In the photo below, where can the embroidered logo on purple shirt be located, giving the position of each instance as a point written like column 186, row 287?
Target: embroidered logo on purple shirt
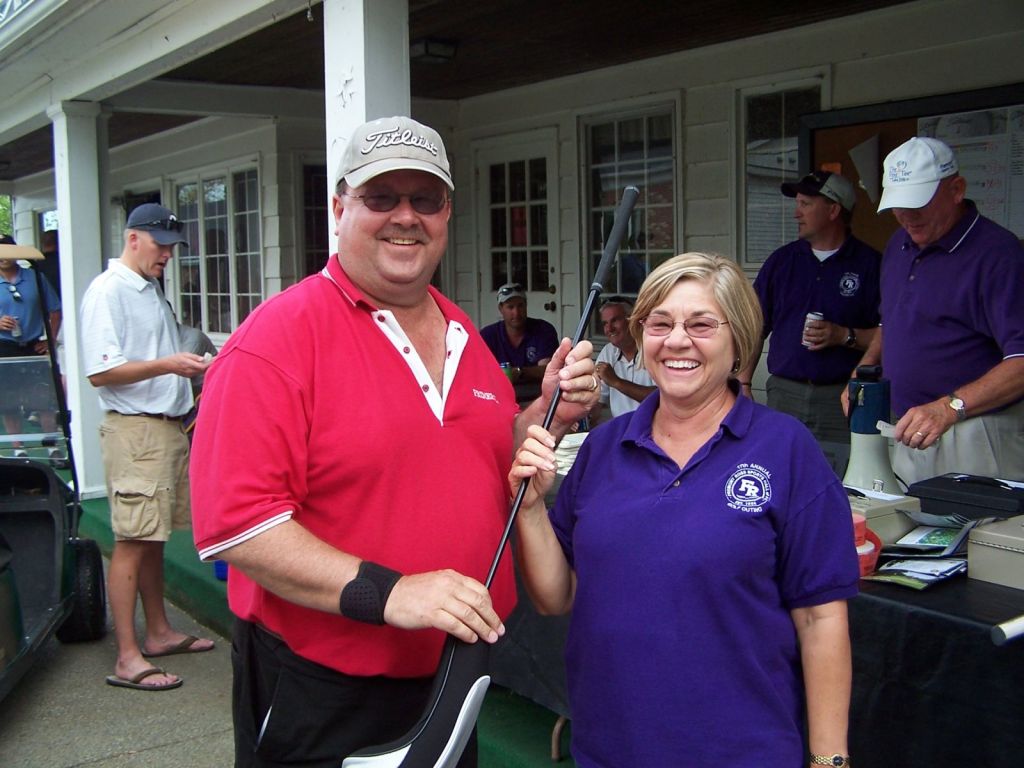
column 849, row 284
column 749, row 488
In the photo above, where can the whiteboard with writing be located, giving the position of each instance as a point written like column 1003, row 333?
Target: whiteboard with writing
column 989, row 146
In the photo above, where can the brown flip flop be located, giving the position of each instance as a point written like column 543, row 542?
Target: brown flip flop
column 185, row 646
column 135, row 683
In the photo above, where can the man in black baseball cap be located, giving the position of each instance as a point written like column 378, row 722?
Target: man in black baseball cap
column 829, row 272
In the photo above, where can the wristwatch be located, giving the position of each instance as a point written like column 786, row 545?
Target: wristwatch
column 836, row 761
column 957, row 404
column 851, row 338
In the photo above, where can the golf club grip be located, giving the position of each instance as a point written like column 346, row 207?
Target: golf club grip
column 1008, row 630
column 611, row 248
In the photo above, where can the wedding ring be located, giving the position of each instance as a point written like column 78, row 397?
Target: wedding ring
column 919, row 433
column 597, row 383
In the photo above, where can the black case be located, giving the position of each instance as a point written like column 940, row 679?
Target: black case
column 971, row 496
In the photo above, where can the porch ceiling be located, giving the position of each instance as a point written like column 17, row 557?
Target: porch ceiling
column 499, row 44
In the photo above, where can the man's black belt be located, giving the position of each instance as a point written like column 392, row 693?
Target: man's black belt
column 162, row 416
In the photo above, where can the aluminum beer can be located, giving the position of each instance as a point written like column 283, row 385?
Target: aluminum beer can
column 810, row 318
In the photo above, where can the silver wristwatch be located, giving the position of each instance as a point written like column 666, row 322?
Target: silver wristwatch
column 957, row 404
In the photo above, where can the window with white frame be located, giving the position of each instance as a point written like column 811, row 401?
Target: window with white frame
column 635, row 149
column 220, row 271
column 771, row 124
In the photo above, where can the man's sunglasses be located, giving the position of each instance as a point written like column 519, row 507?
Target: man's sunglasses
column 382, row 202
column 508, row 290
column 14, row 292
column 171, row 225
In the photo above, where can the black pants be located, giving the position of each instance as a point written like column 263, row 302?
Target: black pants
column 292, row 712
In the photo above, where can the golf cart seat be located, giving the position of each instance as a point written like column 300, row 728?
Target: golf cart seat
column 51, row 581
column 34, row 525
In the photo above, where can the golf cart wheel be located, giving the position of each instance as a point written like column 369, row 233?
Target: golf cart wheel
column 88, row 617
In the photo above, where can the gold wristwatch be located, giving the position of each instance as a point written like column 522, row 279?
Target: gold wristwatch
column 836, row 761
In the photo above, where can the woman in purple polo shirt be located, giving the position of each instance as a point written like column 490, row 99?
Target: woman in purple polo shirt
column 705, row 549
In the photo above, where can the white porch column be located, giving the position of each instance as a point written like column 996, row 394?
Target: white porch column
column 366, row 69
column 77, row 162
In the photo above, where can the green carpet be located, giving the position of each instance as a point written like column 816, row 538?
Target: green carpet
column 513, row 731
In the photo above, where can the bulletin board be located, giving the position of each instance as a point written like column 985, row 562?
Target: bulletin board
column 984, row 127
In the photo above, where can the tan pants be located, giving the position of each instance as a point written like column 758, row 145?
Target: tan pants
column 146, row 465
column 990, row 445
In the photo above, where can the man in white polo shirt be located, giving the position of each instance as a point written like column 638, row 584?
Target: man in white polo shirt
column 132, row 356
column 624, row 381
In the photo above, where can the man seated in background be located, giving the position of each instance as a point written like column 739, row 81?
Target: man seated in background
column 525, row 343
column 624, row 381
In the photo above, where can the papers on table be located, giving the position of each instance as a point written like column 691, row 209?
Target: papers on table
column 936, row 541
column 918, row 574
column 565, row 453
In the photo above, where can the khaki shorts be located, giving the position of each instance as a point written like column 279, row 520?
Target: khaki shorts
column 146, row 465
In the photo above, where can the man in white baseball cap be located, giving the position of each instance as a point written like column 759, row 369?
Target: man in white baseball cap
column 953, row 323
column 913, row 171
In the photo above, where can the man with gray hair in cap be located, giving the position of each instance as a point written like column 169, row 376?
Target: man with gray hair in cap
column 350, row 465
column 819, row 296
column 131, row 354
column 952, row 337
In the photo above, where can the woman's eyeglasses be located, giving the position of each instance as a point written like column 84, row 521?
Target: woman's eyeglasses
column 696, row 327
column 382, row 202
column 14, row 292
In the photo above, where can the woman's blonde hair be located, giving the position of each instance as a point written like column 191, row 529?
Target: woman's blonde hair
column 732, row 291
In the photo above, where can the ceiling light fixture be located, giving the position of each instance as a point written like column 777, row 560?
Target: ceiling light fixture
column 430, row 50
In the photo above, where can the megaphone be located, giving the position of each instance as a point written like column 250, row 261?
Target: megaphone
column 869, row 467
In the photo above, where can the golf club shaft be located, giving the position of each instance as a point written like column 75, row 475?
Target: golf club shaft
column 611, row 248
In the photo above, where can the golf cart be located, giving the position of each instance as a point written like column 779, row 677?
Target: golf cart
column 51, row 581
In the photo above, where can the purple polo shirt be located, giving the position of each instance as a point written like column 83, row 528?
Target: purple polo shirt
column 539, row 342
column 950, row 311
column 681, row 648
column 844, row 288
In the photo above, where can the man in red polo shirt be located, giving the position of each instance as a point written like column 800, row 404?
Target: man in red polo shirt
column 350, row 464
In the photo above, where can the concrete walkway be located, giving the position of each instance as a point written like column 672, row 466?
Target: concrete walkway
column 63, row 715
